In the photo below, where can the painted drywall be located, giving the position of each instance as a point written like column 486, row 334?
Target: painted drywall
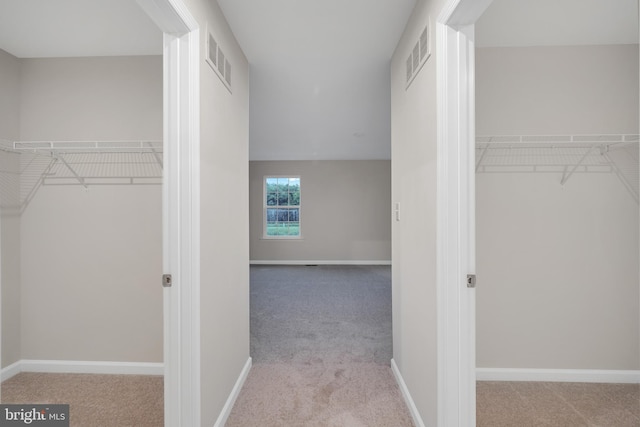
column 91, row 260
column 558, row 272
column 91, row 263
column 10, row 99
column 224, row 216
column 284, row 114
column 91, row 98
column 557, row 265
column 345, row 211
column 9, row 221
column 559, row 90
column 10, row 255
column 413, row 171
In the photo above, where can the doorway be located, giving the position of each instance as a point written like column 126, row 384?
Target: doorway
column 181, row 86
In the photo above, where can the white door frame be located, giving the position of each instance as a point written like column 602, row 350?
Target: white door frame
column 181, row 209
column 456, row 211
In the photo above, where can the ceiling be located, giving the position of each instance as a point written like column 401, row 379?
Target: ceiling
column 69, row 28
column 319, row 75
column 319, row 68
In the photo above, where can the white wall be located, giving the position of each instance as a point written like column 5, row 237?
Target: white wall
column 91, row 268
column 10, row 254
column 91, row 260
column 557, row 90
column 224, row 211
column 558, row 272
column 557, row 265
column 413, row 166
column 9, row 222
column 91, row 98
column 10, row 99
column 345, row 211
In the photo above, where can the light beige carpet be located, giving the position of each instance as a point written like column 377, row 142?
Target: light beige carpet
column 94, row 400
column 319, row 395
column 534, row 404
column 321, row 346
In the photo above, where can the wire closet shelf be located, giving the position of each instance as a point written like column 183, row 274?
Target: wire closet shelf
column 562, row 154
column 29, row 165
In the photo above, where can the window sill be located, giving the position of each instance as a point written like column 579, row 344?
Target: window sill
column 282, row 239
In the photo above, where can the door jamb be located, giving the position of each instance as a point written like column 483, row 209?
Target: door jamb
column 456, row 211
column 181, row 209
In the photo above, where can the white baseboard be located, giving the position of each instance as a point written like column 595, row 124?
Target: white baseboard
column 417, row 419
column 320, row 262
column 558, row 375
column 10, row 371
column 83, row 367
column 228, row 406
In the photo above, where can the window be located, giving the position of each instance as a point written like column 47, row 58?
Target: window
column 281, row 207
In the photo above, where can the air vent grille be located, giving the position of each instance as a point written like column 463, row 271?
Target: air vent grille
column 218, row 61
column 419, row 55
column 424, row 44
column 227, row 72
column 213, row 51
column 409, row 68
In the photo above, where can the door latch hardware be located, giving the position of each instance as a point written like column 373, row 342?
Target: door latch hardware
column 166, row 281
column 471, row 280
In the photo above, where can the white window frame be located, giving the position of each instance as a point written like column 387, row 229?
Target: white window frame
column 265, row 207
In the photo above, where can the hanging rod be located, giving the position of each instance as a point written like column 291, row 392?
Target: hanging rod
column 563, row 154
column 150, row 146
column 6, row 144
column 550, row 141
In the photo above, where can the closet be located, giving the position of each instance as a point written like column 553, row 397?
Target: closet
column 557, row 190
column 81, row 204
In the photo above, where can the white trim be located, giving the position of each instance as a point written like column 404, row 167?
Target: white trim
column 265, row 207
column 319, row 262
column 456, row 212
column 559, row 375
column 83, row 367
column 181, row 221
column 231, row 400
column 453, row 410
column 10, row 371
column 417, row 419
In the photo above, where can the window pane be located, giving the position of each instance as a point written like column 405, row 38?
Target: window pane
column 272, row 184
column 283, row 183
column 283, row 199
column 283, row 215
column 294, row 198
column 294, row 215
column 272, row 199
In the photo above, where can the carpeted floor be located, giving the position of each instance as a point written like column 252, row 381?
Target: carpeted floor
column 533, row 404
column 321, row 346
column 333, row 313
column 94, row 400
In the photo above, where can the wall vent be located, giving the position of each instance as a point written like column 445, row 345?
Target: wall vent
column 212, row 51
column 409, row 68
column 419, row 55
column 218, row 62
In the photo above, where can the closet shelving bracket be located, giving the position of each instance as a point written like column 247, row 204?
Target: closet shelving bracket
column 563, row 154
column 85, row 163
